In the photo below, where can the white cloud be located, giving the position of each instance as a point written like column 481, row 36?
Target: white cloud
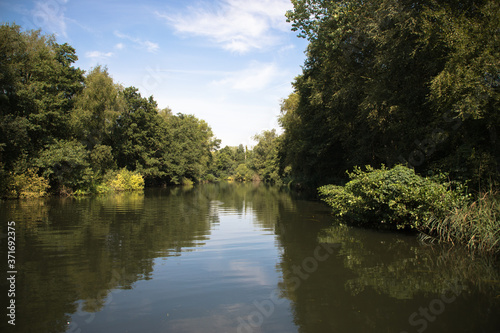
column 98, row 54
column 237, row 25
column 148, row 45
column 258, row 76
column 119, row 46
column 49, row 15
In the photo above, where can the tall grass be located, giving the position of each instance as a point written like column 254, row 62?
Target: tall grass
column 475, row 224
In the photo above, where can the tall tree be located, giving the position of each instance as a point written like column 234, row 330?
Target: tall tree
column 139, row 136
column 265, row 156
column 190, row 150
column 386, row 81
column 97, row 107
column 37, row 86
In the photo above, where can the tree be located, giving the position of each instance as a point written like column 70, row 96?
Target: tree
column 243, row 173
column 385, row 81
column 64, row 163
column 190, row 149
column 467, row 89
column 139, row 136
column 97, row 107
column 223, row 162
column 76, row 129
column 37, row 87
column 265, row 156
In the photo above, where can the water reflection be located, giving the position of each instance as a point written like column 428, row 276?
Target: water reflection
column 72, row 252
column 378, row 282
column 216, row 257
column 401, row 267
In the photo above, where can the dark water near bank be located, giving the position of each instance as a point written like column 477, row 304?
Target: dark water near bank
column 231, row 258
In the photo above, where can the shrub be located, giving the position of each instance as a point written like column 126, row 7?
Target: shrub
column 187, row 182
column 64, row 163
column 243, row 173
column 26, row 185
column 210, row 178
column 23, row 185
column 394, row 197
column 126, row 181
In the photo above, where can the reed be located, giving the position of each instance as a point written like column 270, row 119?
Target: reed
column 475, row 224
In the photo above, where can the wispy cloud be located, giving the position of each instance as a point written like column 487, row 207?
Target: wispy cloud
column 257, row 76
column 145, row 44
column 98, row 54
column 237, row 25
column 49, row 15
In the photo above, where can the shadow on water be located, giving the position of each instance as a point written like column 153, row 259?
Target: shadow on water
column 74, row 256
column 387, row 282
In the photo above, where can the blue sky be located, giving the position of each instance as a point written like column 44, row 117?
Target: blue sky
column 228, row 62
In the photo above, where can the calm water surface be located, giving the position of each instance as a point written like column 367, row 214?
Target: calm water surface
column 232, row 258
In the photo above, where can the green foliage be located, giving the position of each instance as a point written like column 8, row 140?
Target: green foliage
column 26, row 185
column 126, row 181
column 162, row 147
column 37, row 86
column 64, row 163
column 210, row 178
column 189, row 152
column 388, row 82
column 475, row 224
column 187, row 182
column 265, row 157
column 226, row 160
column 77, row 128
column 395, row 197
column 139, row 136
column 101, row 159
column 96, row 108
column 243, row 173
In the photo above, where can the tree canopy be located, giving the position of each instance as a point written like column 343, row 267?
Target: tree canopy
column 389, row 82
column 77, row 128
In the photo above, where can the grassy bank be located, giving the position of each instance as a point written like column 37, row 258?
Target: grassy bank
column 397, row 198
column 475, row 224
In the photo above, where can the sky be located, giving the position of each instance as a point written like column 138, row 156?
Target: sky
column 228, row 62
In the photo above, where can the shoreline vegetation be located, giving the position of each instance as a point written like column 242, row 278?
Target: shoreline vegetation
column 409, row 90
column 399, row 199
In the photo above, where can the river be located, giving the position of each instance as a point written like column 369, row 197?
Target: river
column 230, row 258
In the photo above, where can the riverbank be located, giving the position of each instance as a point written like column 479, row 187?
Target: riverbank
column 233, row 256
column 475, row 224
column 397, row 198
column 30, row 185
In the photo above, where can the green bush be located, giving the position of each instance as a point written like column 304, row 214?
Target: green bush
column 26, row 185
column 395, row 197
column 65, row 164
column 210, row 178
column 243, row 173
column 187, row 182
column 126, row 181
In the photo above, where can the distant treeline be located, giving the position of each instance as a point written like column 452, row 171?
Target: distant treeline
column 66, row 131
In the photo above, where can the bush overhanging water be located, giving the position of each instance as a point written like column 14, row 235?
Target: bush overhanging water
column 400, row 199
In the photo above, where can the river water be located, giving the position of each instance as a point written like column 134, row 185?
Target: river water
column 231, row 258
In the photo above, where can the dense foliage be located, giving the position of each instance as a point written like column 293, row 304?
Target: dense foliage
column 389, row 82
column 70, row 132
column 395, row 197
column 73, row 131
column 413, row 83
